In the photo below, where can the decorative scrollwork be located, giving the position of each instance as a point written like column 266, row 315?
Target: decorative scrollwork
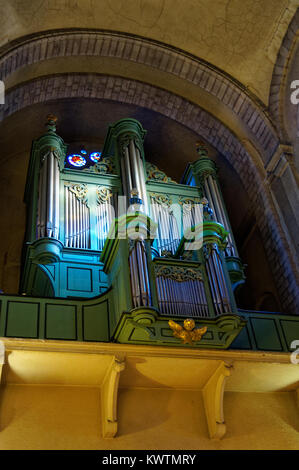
column 178, row 273
column 166, row 254
column 187, row 255
column 103, row 167
column 125, row 139
column 162, row 199
column 205, row 173
column 154, row 173
column 188, row 203
column 79, row 189
column 103, row 194
column 50, row 150
column 208, row 248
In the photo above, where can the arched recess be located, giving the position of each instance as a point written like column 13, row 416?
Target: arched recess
column 192, row 116
column 20, row 61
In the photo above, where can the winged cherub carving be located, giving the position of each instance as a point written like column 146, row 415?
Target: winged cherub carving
column 187, row 333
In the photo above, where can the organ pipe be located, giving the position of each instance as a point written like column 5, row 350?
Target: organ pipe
column 140, row 285
column 132, row 170
column 106, row 205
column 168, row 236
column 218, row 287
column 182, row 297
column 48, row 203
column 77, row 229
column 213, row 195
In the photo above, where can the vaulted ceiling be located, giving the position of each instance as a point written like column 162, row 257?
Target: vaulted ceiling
column 241, row 37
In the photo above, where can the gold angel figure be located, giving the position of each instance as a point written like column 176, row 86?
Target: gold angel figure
column 187, row 333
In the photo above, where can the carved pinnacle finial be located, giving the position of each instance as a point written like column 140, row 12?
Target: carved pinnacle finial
column 201, row 149
column 51, row 122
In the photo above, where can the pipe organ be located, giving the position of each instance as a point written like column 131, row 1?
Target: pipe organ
column 76, row 215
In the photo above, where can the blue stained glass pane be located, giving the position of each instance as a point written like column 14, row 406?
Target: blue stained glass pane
column 76, row 160
column 95, row 156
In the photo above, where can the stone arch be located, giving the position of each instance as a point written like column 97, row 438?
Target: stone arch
column 242, row 103
column 198, row 120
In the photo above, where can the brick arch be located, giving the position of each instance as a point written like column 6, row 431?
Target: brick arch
column 192, row 116
column 98, row 43
column 277, row 88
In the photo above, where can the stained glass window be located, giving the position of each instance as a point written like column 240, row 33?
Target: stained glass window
column 76, row 160
column 95, row 156
column 83, row 159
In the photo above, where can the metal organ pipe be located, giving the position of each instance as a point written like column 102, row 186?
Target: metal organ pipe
column 217, row 282
column 140, row 284
column 41, row 204
column 215, row 200
column 181, row 297
column 104, row 215
column 124, row 179
column 234, row 251
column 142, row 181
column 128, row 176
column 48, row 204
column 49, row 196
column 168, row 233
column 134, row 167
column 66, row 213
column 76, row 221
column 133, row 172
column 211, row 200
column 71, row 219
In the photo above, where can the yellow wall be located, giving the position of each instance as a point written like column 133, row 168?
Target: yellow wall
column 56, row 417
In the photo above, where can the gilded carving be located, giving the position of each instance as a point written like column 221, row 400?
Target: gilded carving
column 187, row 333
column 162, row 199
column 79, row 189
column 104, row 166
column 125, row 139
column 188, row 204
column 178, row 273
column 103, row 194
column 154, row 173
